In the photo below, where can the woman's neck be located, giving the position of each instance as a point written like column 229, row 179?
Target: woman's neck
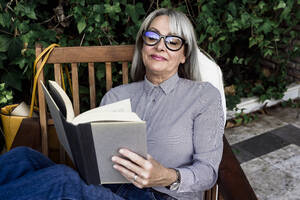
column 158, row 79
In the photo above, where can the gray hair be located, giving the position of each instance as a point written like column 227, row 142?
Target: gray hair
column 179, row 25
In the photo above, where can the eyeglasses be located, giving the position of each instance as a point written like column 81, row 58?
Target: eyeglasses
column 172, row 42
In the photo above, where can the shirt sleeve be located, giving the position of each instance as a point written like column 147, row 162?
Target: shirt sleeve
column 208, row 133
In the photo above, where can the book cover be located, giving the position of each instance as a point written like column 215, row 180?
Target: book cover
column 93, row 137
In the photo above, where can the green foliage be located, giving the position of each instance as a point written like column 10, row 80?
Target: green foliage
column 238, row 34
column 6, row 96
column 242, row 118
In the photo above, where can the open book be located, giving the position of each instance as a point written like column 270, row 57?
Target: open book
column 93, row 137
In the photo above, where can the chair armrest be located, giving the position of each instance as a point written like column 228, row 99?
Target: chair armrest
column 233, row 183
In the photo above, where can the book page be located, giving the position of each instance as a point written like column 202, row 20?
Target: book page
column 107, row 116
column 118, row 111
column 62, row 100
column 119, row 106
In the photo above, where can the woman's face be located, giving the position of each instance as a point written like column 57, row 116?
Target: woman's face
column 159, row 61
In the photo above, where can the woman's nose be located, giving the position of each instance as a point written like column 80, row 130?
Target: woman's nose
column 161, row 45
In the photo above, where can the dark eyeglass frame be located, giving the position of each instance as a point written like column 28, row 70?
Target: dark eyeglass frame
column 164, row 37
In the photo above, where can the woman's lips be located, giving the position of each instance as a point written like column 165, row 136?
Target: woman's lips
column 158, row 58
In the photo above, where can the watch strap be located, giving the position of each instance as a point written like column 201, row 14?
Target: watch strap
column 175, row 185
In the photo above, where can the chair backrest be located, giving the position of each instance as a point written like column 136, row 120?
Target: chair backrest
column 124, row 54
column 74, row 56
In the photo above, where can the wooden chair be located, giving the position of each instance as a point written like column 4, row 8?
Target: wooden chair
column 232, row 183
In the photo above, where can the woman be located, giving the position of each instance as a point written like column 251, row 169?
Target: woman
column 185, row 124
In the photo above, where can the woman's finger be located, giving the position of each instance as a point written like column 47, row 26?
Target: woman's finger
column 127, row 164
column 133, row 157
column 132, row 177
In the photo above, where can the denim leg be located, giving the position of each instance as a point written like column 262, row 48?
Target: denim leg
column 20, row 161
column 130, row 192
column 55, row 183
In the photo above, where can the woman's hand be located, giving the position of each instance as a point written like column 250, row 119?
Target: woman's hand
column 143, row 172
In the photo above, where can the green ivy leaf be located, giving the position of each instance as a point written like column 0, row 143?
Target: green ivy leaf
column 98, row 18
column 82, row 2
column 281, row 4
column 100, row 74
column 112, row 9
column 130, row 9
column 139, row 9
column 3, row 56
column 90, row 29
column 222, row 38
column 13, row 80
column 81, row 25
column 20, row 61
column 15, row 47
column 267, row 26
column 245, row 19
column 29, row 12
column 261, row 5
column 166, row 4
column 24, row 27
column 1, row 64
column 3, row 20
column 98, row 8
column 31, row 35
column 232, row 8
column 4, row 43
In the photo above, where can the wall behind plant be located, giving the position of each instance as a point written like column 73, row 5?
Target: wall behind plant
column 238, row 34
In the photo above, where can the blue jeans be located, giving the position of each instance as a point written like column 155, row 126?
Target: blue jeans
column 27, row 174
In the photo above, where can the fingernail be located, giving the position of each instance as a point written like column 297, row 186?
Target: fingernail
column 113, row 158
column 121, row 151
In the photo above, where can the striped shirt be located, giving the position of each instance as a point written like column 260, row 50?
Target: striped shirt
column 185, row 126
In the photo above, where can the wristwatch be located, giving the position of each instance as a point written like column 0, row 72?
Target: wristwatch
column 174, row 186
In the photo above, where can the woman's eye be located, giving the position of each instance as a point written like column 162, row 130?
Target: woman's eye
column 173, row 41
column 152, row 38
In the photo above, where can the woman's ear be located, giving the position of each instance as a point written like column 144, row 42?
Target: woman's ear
column 182, row 61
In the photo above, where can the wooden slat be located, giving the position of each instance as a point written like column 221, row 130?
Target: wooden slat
column 42, row 105
column 75, row 87
column 91, row 54
column 108, row 76
column 92, row 85
column 125, row 72
column 57, row 73
column 207, row 195
column 214, row 192
column 57, row 77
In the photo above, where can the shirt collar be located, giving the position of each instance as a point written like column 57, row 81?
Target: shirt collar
column 167, row 86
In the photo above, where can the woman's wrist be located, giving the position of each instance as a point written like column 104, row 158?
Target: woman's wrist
column 171, row 177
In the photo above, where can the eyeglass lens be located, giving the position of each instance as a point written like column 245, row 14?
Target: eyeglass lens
column 173, row 43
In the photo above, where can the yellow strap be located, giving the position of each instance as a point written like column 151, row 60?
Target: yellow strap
column 47, row 51
column 42, row 54
column 62, row 78
column 37, row 60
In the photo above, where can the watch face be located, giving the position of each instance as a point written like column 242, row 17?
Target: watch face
column 174, row 186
